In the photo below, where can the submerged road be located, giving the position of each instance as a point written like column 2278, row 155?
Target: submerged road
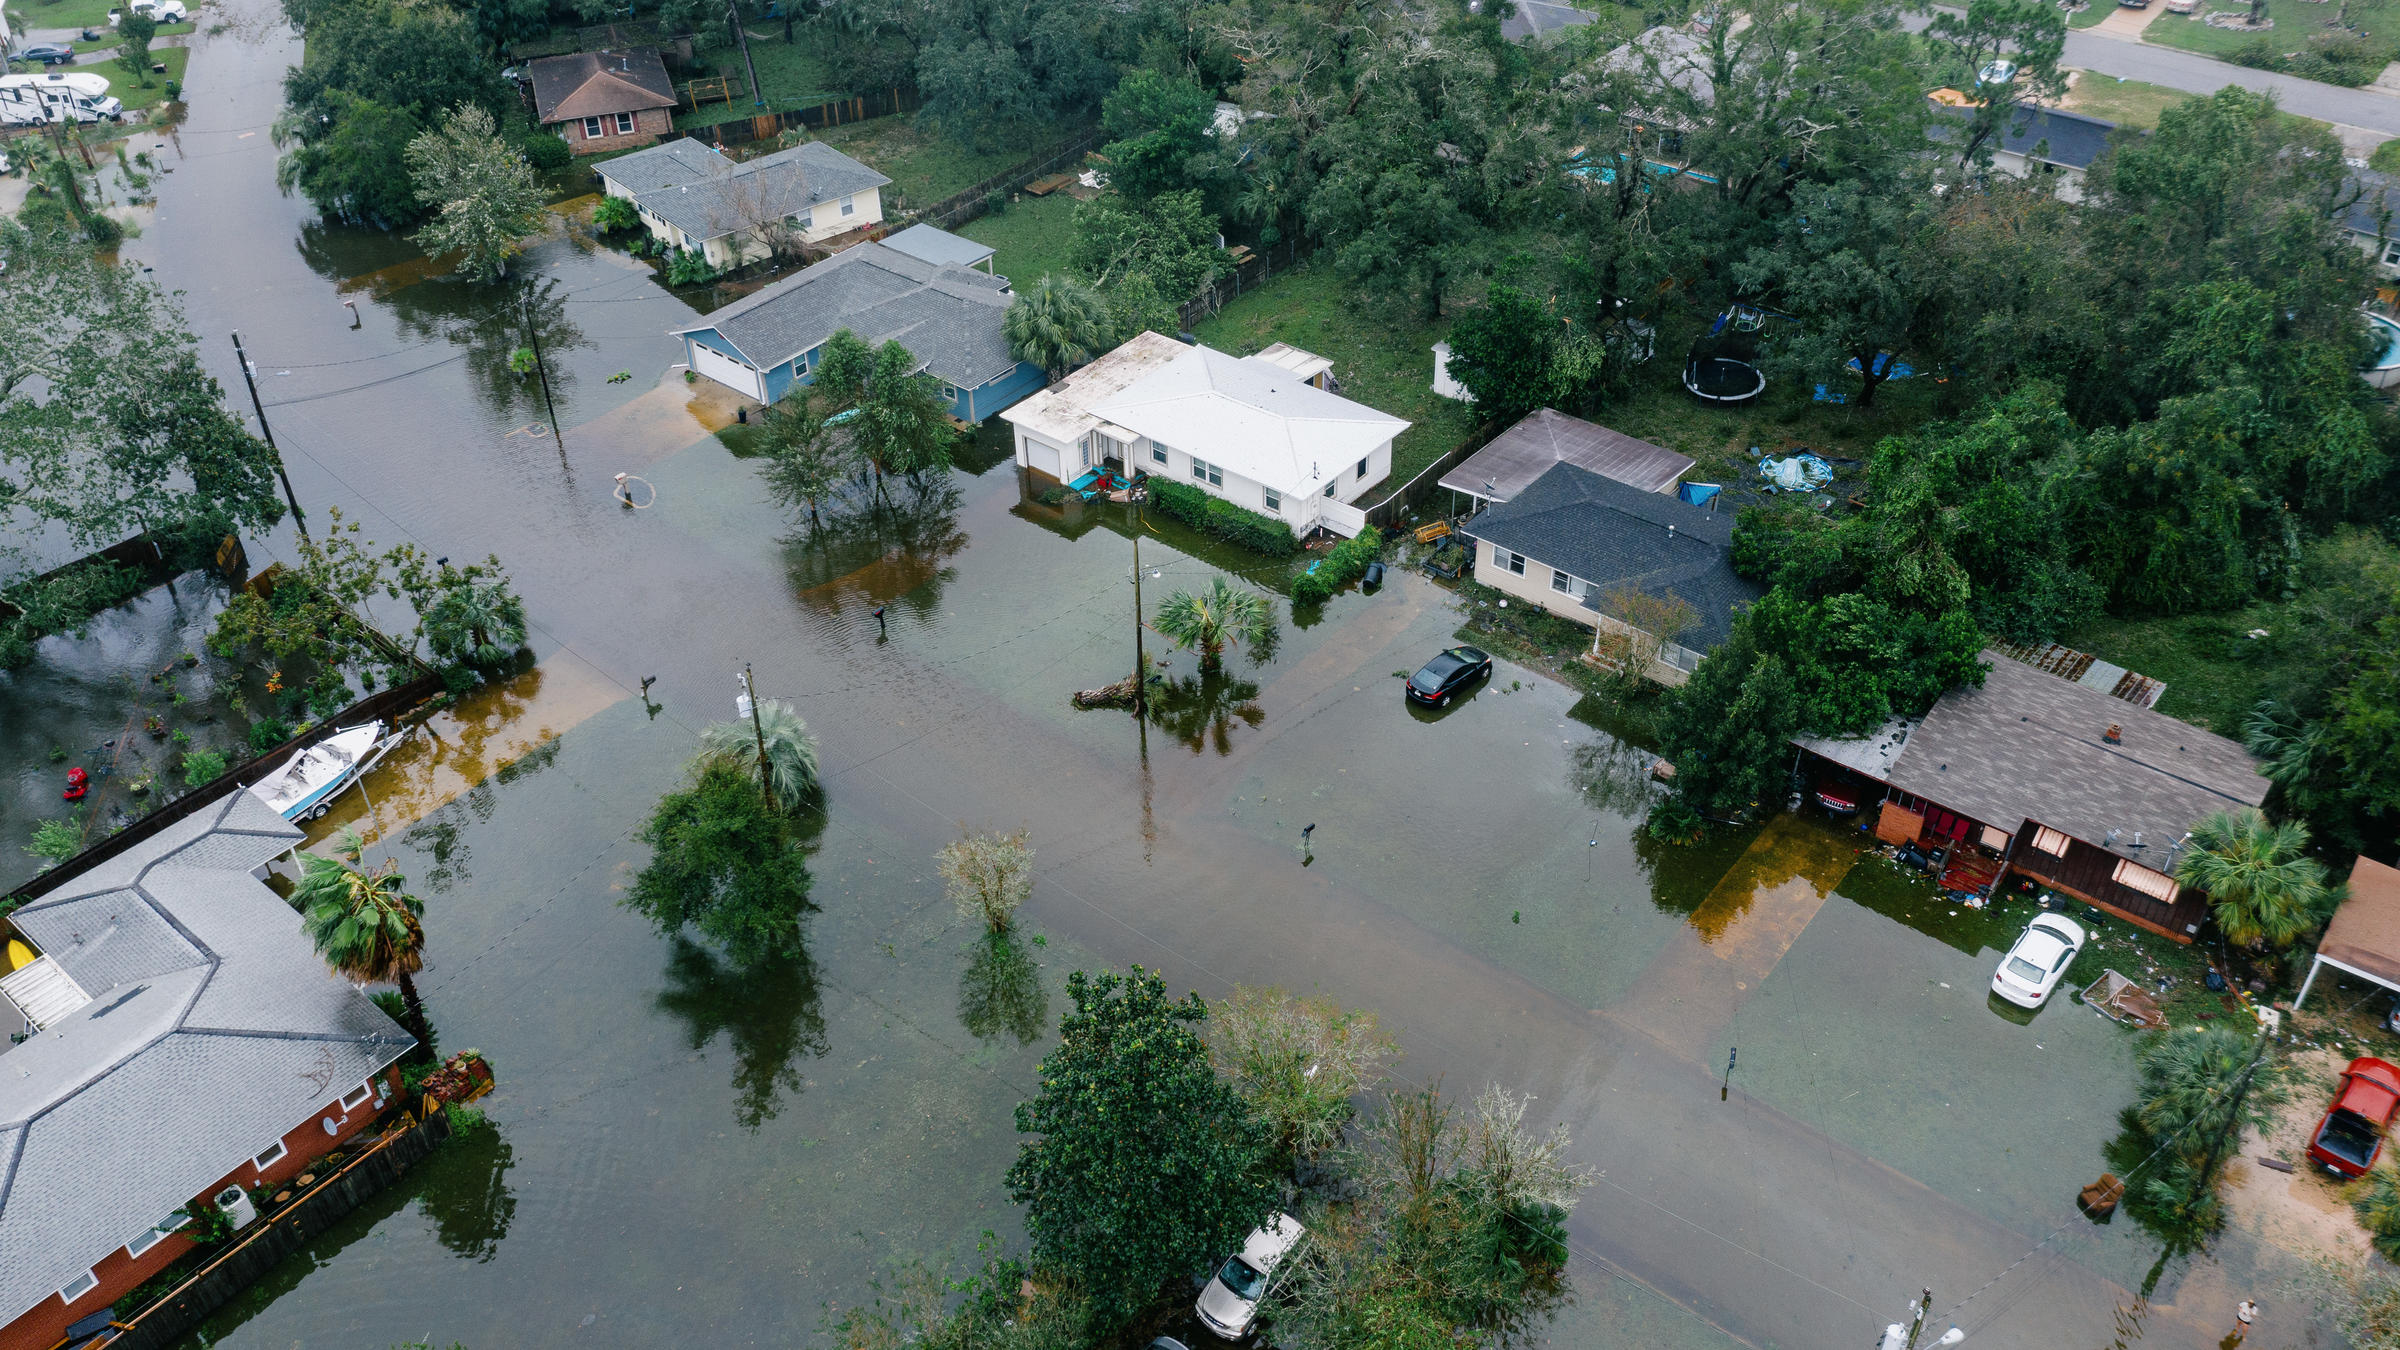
column 1715, row 1219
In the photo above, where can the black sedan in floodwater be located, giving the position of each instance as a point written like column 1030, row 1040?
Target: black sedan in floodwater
column 1445, row 675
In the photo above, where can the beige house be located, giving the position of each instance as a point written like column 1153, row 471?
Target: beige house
column 695, row 197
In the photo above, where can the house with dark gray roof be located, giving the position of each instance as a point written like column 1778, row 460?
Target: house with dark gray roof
column 2072, row 784
column 2035, row 142
column 2373, row 219
column 1571, row 538
column 694, row 196
column 948, row 316
column 171, row 1035
column 602, row 101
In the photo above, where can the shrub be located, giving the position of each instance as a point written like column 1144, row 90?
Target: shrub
column 546, row 151
column 57, row 840
column 268, row 732
column 995, row 203
column 201, row 767
column 1345, row 564
column 1310, row 588
column 1263, row 534
column 615, row 213
column 103, row 230
column 687, row 268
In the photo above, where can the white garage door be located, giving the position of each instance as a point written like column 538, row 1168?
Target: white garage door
column 728, row 372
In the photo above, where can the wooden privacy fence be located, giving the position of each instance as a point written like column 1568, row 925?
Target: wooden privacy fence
column 278, row 1236
column 960, row 207
column 1247, row 276
column 766, row 126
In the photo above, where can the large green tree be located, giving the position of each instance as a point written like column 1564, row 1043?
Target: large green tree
column 377, row 74
column 2029, row 36
column 987, row 68
column 1146, row 1166
column 482, row 192
column 722, row 862
column 2262, row 886
column 1160, row 128
column 1855, row 263
column 1171, row 239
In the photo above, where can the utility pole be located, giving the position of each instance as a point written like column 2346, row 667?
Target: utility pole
column 533, row 339
column 733, row 15
column 298, row 516
column 1141, row 663
column 766, row 782
column 1898, row 1337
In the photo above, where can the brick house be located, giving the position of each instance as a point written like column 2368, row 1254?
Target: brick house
column 167, row 1034
column 601, row 101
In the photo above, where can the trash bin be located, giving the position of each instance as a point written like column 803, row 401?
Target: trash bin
column 1374, row 575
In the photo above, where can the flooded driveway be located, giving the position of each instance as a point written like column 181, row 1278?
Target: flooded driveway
column 687, row 1152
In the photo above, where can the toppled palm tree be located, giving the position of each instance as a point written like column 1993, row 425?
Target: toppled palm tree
column 365, row 924
column 790, row 748
column 1214, row 617
column 2263, row 885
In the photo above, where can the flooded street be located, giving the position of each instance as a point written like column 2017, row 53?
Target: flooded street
column 687, row 1153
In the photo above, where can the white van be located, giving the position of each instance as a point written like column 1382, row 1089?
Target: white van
column 161, row 12
column 57, row 96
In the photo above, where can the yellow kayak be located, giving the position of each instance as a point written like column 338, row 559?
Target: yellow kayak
column 19, row 955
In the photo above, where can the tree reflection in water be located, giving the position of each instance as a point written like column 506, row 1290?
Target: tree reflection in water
column 769, row 1014
column 889, row 548
column 1001, row 991
column 1200, row 710
column 488, row 326
column 466, row 1191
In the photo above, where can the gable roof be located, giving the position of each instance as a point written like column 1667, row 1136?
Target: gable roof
column 1250, row 417
column 2365, row 932
column 591, row 84
column 212, row 1030
column 2029, row 745
column 1546, row 436
column 2070, row 140
column 1609, row 534
column 949, row 317
column 938, row 247
column 689, row 185
column 1063, row 412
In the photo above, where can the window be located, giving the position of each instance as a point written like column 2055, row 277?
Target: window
column 151, row 1237
column 849, row 205
column 2050, row 841
column 1211, row 474
column 949, row 391
column 2157, row 885
column 1362, row 469
column 807, row 220
column 78, row 1287
column 624, row 124
column 591, row 129
column 1274, row 500
column 1158, row 453
column 1560, row 581
column 357, row 1096
column 1329, row 487
column 272, row 1156
column 2391, row 254
column 1507, row 561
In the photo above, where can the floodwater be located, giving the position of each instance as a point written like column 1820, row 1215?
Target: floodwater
column 687, row 1152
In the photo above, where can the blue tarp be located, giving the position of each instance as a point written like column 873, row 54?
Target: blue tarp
column 1697, row 493
column 1887, row 367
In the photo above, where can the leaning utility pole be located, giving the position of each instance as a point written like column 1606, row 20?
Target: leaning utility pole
column 533, row 339
column 733, row 15
column 766, row 780
column 1897, row 1337
column 298, row 516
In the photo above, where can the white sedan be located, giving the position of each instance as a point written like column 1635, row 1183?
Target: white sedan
column 2039, row 961
column 1229, row 1305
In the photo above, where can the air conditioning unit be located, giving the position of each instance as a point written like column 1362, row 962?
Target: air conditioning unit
column 236, row 1203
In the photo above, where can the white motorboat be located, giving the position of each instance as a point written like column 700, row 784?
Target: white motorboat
column 304, row 788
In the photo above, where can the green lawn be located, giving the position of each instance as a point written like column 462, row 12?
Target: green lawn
column 1033, row 238
column 2092, row 13
column 925, row 167
column 2128, row 103
column 790, row 76
column 107, row 41
column 1383, row 356
column 80, row 14
column 2295, row 21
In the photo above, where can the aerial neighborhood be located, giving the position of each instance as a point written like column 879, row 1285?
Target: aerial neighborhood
column 1466, row 674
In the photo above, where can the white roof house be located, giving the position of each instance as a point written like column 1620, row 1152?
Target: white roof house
column 1248, row 429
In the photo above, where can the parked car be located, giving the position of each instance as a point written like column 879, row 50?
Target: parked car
column 2039, row 961
column 48, row 54
column 1440, row 679
column 1229, row 1305
column 1998, row 72
column 2351, row 1133
column 160, row 11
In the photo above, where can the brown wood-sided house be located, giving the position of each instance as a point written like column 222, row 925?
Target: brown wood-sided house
column 601, row 101
column 2081, row 790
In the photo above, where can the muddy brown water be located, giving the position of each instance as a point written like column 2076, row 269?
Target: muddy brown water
column 686, row 1152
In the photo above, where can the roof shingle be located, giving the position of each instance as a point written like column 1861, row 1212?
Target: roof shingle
column 708, row 195
column 593, row 84
column 948, row 317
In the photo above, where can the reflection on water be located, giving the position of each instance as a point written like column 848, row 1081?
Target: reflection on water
column 1793, row 861
column 871, row 548
column 768, row 1013
column 465, row 1192
column 1001, row 991
column 489, row 323
column 1200, row 710
column 1614, row 777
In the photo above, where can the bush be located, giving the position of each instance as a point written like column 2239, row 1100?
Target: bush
column 1345, row 564
column 615, row 213
column 103, row 230
column 201, row 767
column 546, row 151
column 995, row 203
column 174, row 91
column 268, row 732
column 1263, row 534
column 58, row 840
column 687, row 268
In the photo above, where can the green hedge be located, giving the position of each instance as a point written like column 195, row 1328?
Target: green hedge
column 1345, row 564
column 1222, row 518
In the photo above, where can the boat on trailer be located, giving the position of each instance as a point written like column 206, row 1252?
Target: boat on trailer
column 304, row 788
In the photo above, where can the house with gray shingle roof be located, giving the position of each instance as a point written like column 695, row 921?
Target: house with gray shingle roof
column 693, row 196
column 1571, row 538
column 948, row 316
column 171, row 1034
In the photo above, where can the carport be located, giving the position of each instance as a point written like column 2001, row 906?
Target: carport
column 2364, row 937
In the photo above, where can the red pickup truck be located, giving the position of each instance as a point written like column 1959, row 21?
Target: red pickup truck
column 2351, row 1134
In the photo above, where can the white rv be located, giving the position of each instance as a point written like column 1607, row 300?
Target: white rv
column 57, row 96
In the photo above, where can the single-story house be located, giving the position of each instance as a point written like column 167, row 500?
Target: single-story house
column 2087, row 794
column 1250, row 430
column 949, row 317
column 601, row 101
column 1510, row 461
column 941, row 248
column 2036, row 141
column 2364, row 937
column 1570, row 537
column 181, row 1041
column 2373, row 221
column 693, row 196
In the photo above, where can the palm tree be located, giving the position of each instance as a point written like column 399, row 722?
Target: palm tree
column 1215, row 617
column 1058, row 325
column 476, row 620
column 791, row 750
column 365, row 924
column 2259, row 876
column 2199, row 1086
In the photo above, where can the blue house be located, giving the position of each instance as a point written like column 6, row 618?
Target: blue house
column 948, row 316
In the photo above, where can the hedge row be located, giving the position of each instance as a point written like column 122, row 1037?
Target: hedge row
column 1345, row 564
column 1222, row 518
